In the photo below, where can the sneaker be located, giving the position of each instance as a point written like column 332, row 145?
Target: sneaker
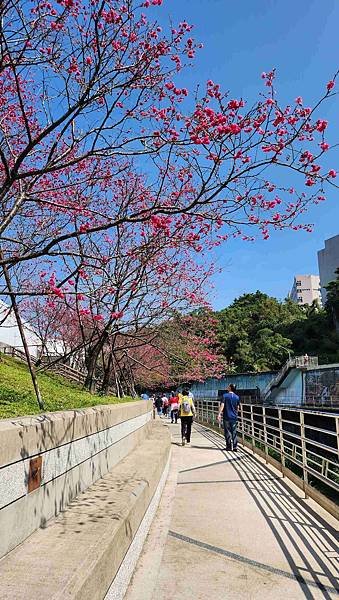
column 227, row 449
column 183, row 441
column 235, row 449
column 188, row 444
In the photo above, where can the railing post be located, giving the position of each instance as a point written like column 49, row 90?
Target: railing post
column 265, row 432
column 281, row 437
column 303, row 450
column 337, row 429
column 252, row 429
column 242, row 424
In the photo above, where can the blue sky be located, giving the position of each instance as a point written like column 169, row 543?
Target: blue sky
column 241, row 39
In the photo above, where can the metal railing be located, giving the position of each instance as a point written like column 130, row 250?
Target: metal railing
column 305, row 443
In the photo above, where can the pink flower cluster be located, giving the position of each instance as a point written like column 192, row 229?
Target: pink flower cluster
column 117, row 314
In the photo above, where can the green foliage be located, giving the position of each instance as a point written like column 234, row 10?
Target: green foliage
column 250, row 331
column 315, row 336
column 319, row 334
column 257, row 332
column 17, row 396
column 332, row 303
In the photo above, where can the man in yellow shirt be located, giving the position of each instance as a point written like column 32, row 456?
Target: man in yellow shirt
column 186, row 414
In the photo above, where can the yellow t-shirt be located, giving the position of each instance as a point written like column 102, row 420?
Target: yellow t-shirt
column 183, row 399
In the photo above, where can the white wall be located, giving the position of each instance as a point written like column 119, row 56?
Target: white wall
column 306, row 289
column 9, row 331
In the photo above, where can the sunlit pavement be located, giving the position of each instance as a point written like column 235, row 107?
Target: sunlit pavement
column 230, row 527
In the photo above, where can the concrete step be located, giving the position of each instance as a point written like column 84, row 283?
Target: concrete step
column 79, row 553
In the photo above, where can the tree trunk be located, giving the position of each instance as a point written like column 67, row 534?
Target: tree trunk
column 91, row 362
column 107, row 373
column 117, row 382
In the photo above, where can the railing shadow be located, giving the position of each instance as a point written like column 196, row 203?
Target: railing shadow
column 308, row 542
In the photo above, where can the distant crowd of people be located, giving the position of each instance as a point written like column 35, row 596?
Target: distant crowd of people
column 174, row 406
column 180, row 405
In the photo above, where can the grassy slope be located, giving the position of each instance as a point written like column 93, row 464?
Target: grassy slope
column 17, row 396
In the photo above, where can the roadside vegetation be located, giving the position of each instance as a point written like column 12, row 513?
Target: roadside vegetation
column 17, row 396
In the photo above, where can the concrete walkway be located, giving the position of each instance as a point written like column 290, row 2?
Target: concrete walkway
column 229, row 527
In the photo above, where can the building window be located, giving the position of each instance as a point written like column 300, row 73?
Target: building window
column 298, row 283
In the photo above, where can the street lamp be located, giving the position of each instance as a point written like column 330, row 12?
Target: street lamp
column 287, row 350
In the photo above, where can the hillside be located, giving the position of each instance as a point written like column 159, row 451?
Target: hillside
column 17, row 396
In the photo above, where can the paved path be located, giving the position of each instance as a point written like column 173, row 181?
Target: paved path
column 229, row 527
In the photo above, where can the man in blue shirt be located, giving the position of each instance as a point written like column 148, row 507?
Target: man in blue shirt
column 229, row 406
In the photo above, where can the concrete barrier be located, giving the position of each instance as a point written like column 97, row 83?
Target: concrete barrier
column 47, row 460
column 80, row 553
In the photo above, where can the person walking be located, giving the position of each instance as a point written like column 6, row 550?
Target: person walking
column 174, row 407
column 228, row 409
column 158, row 405
column 165, row 405
column 186, row 414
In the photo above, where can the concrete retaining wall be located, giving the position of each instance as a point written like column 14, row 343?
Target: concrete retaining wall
column 76, row 448
column 89, row 551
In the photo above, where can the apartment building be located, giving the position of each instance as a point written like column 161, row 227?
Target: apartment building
column 305, row 289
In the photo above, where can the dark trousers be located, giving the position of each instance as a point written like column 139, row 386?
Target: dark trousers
column 230, row 429
column 186, row 428
column 174, row 415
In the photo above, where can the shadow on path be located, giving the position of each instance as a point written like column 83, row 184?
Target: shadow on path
column 308, row 542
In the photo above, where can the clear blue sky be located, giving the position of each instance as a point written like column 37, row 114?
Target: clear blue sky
column 242, row 39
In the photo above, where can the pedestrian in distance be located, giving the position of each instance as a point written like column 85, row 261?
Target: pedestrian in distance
column 186, row 414
column 165, row 405
column 174, row 407
column 228, row 410
column 158, row 405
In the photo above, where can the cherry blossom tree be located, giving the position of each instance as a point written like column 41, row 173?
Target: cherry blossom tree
column 98, row 135
column 183, row 349
column 112, row 287
column 88, row 94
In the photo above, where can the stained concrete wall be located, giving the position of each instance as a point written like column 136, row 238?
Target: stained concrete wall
column 291, row 390
column 76, row 447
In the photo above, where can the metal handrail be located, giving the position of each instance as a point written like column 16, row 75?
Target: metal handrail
column 299, row 362
column 320, row 462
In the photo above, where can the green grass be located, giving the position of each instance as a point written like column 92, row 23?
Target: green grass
column 17, row 395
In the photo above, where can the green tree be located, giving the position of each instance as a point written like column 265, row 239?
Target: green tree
column 332, row 302
column 251, row 331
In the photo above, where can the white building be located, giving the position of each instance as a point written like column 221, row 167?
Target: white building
column 305, row 289
column 328, row 261
column 10, row 334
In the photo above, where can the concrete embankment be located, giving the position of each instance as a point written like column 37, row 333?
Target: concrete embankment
column 47, row 460
column 80, row 552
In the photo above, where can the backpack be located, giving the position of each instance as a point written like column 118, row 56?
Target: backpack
column 186, row 406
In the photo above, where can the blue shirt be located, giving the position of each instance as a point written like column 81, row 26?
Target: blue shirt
column 231, row 402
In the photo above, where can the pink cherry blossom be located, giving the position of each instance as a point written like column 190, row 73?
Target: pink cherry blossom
column 321, row 125
column 117, row 314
